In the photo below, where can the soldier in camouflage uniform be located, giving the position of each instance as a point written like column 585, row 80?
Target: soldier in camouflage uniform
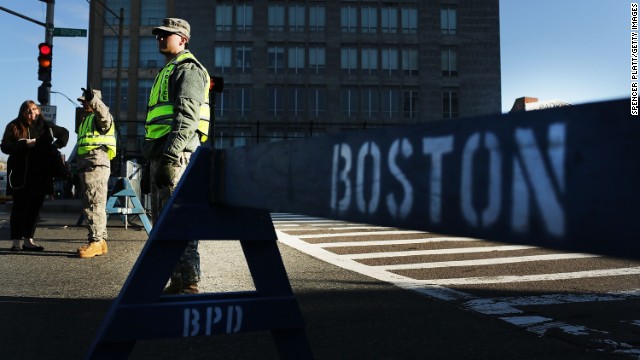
column 96, row 147
column 178, row 111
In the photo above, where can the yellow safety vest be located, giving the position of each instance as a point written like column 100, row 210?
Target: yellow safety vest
column 89, row 138
column 160, row 110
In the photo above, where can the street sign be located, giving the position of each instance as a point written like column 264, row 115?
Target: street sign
column 69, row 32
column 49, row 112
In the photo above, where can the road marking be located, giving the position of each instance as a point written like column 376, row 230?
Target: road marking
column 360, row 233
column 484, row 280
column 392, row 242
column 403, row 282
column 480, row 249
column 503, row 308
column 507, row 305
column 480, row 262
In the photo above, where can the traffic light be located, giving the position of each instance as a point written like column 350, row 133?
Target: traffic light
column 44, row 94
column 44, row 61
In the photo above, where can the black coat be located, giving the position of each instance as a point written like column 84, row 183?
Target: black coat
column 29, row 169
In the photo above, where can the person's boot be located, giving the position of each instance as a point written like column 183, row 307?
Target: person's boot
column 105, row 248
column 174, row 288
column 190, row 289
column 93, row 249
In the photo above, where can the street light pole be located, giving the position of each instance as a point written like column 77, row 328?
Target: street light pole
column 118, row 73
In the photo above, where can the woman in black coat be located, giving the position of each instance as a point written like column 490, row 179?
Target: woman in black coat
column 28, row 140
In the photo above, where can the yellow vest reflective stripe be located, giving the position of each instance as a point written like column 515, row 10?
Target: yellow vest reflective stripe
column 89, row 138
column 160, row 110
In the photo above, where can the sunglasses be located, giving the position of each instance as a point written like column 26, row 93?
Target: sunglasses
column 164, row 35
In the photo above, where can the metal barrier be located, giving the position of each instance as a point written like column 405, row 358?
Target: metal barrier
column 565, row 178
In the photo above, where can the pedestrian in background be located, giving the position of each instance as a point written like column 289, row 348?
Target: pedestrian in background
column 96, row 147
column 177, row 119
column 28, row 140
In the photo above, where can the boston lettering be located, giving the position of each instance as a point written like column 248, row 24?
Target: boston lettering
column 476, row 180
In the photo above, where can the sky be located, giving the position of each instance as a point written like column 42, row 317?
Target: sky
column 576, row 51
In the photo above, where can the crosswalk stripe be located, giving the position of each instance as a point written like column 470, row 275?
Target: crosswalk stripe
column 480, row 262
column 529, row 278
column 393, row 242
column 360, row 233
column 437, row 252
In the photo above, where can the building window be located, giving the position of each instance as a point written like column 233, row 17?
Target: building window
column 115, row 5
column 348, row 19
column 410, row 62
column 389, row 20
column 296, row 18
column 390, row 103
column 240, row 138
column 243, row 59
column 241, row 101
column 152, row 12
column 275, row 59
column 448, row 21
column 410, row 104
column 449, row 60
column 275, row 101
column 110, row 52
column 449, row 103
column 389, row 61
column 244, row 17
column 149, row 55
column 369, row 103
column 317, row 102
column 144, row 89
column 109, row 93
column 348, row 60
column 409, row 20
column 369, row 60
column 275, row 18
column 295, row 102
column 296, row 60
column 224, row 17
column 317, row 60
column 369, row 19
column 349, row 102
column 223, row 104
column 222, row 59
column 317, row 18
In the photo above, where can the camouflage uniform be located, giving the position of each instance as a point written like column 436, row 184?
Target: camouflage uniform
column 188, row 84
column 187, row 271
column 94, row 181
column 94, row 169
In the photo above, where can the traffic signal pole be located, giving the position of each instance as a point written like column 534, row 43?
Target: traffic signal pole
column 44, row 90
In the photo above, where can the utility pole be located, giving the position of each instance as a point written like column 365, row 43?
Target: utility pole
column 44, row 91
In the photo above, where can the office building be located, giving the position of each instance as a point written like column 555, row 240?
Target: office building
column 300, row 68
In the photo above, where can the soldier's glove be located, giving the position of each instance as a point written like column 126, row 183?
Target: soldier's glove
column 165, row 174
column 87, row 93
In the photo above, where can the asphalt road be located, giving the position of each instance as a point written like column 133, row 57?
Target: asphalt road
column 52, row 303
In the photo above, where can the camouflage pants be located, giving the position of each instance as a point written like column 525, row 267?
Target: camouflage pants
column 187, row 271
column 94, row 184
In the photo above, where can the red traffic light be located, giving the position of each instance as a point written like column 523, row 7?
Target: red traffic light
column 44, row 56
column 45, row 49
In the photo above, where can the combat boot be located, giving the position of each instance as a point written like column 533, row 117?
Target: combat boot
column 91, row 250
column 174, row 288
column 190, row 289
column 105, row 248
